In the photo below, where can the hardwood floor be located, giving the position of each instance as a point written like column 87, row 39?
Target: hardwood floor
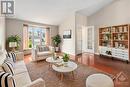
column 100, row 62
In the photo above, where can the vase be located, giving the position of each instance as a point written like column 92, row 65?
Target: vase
column 65, row 64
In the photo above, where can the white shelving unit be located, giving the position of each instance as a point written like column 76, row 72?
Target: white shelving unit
column 114, row 41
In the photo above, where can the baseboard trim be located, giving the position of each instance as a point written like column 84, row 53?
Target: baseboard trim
column 97, row 53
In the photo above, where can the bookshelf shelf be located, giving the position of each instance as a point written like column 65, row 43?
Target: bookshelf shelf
column 115, row 37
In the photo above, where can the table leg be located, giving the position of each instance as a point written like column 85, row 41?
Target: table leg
column 50, row 65
column 62, row 76
column 72, row 74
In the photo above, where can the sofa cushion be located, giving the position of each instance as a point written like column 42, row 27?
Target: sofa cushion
column 6, row 80
column 1, row 69
column 19, row 67
column 8, row 67
column 22, row 79
column 45, row 53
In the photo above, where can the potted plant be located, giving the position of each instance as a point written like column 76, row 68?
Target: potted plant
column 56, row 41
column 65, row 59
column 14, row 42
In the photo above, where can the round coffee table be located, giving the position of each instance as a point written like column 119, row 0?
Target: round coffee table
column 99, row 80
column 71, row 66
column 51, row 60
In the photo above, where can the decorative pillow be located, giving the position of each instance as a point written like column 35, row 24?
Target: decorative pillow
column 43, row 48
column 6, row 80
column 12, row 56
column 46, row 48
column 9, row 60
column 8, row 67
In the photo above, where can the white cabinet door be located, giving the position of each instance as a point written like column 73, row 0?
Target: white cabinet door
column 120, row 53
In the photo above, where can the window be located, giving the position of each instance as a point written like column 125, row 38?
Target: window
column 34, row 36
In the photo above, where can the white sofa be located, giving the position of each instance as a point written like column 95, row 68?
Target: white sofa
column 43, row 54
column 21, row 74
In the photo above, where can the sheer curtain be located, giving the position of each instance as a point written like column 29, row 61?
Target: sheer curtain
column 25, row 36
column 47, row 36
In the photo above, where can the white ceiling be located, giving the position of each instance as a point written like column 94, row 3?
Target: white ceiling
column 55, row 11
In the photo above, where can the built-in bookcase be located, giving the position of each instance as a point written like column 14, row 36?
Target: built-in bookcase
column 115, row 39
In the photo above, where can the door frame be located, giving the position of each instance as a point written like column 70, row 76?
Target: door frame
column 93, row 40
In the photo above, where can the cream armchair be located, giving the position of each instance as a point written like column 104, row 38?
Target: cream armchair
column 41, row 52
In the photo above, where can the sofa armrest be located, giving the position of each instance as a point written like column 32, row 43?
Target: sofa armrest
column 37, row 83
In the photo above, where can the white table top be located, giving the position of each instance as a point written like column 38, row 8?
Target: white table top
column 51, row 60
column 99, row 80
column 71, row 66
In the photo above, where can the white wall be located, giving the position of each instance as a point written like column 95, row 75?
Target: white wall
column 75, row 23
column 68, row 45
column 114, row 14
column 15, row 27
column 2, row 33
column 81, row 22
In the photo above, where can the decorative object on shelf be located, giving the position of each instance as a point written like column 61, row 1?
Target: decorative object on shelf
column 65, row 59
column 120, row 29
column 118, row 41
column 125, row 29
column 120, row 36
column 14, row 42
column 108, row 53
column 106, row 43
column 114, row 30
column 67, row 34
column 116, row 44
column 56, row 41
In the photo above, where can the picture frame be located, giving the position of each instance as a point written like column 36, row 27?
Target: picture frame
column 67, row 34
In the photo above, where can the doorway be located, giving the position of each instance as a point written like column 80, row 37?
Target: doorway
column 88, row 39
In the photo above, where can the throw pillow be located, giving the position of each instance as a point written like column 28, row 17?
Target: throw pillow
column 8, row 67
column 9, row 60
column 44, row 48
column 12, row 56
column 6, row 80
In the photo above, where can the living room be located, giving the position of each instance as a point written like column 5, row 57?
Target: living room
column 65, row 44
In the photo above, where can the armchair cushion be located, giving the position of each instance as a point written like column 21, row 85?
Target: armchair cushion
column 22, row 79
column 41, row 48
column 19, row 67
